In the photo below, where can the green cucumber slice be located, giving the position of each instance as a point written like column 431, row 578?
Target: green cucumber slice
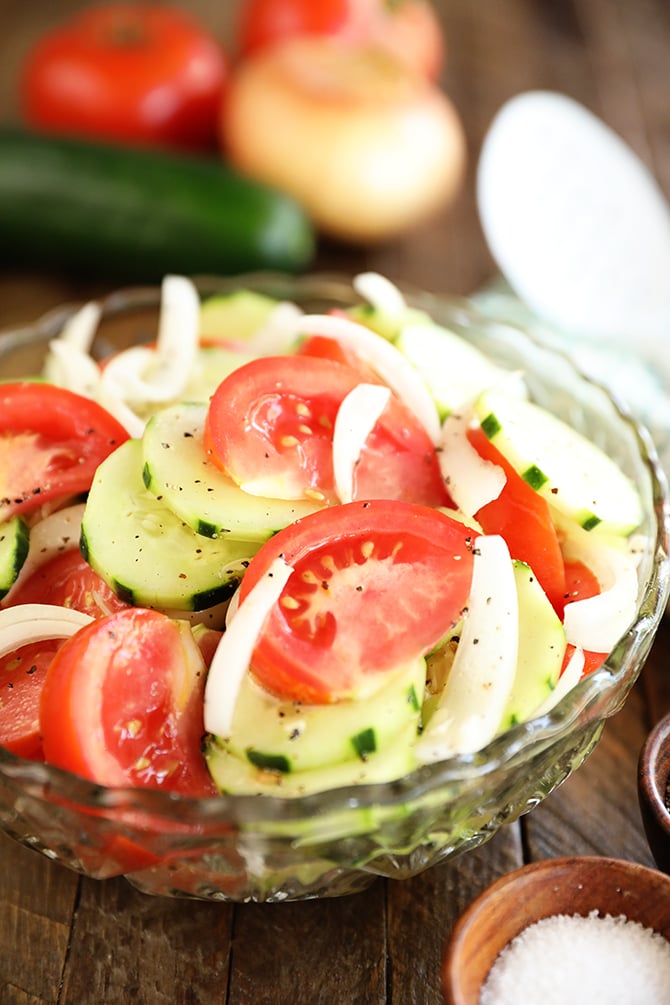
column 576, row 477
column 454, row 370
column 541, row 649
column 238, row 776
column 235, row 316
column 178, row 472
column 14, row 539
column 287, row 736
column 146, row 554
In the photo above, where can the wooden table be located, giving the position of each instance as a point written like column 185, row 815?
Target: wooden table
column 71, row 941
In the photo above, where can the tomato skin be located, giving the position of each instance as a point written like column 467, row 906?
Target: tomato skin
column 69, row 581
column 522, row 516
column 127, row 72
column 22, row 676
column 580, row 582
column 410, row 29
column 272, row 432
column 51, row 442
column 122, row 704
column 375, row 585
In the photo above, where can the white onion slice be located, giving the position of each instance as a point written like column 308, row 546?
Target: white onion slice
column 380, row 292
column 233, row 653
column 142, row 375
column 79, row 330
column 482, row 674
column 72, row 368
column 27, row 623
column 393, row 368
column 356, row 418
column 571, row 675
column 57, row 532
column 471, row 481
column 598, row 623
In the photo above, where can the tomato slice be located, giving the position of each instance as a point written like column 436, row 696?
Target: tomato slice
column 51, row 442
column 69, row 581
column 122, row 704
column 22, row 676
column 375, row 584
column 522, row 517
column 580, row 582
column 270, row 427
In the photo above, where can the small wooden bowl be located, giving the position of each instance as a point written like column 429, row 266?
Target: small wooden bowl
column 652, row 783
column 576, row 885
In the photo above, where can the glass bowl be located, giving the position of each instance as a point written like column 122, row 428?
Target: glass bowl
column 262, row 848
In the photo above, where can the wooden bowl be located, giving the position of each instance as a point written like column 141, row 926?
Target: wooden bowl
column 575, row 885
column 652, row 783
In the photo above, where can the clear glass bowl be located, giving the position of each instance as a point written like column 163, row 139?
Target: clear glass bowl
column 333, row 843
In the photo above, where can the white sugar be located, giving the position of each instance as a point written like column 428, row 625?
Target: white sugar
column 574, row 960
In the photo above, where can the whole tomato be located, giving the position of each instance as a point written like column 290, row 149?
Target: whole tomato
column 130, row 73
column 410, row 29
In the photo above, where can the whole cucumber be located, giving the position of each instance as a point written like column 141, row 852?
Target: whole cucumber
column 131, row 214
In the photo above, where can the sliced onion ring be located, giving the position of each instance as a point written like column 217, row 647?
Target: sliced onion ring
column 28, row 623
column 233, row 653
column 482, row 674
column 471, row 480
column 356, row 417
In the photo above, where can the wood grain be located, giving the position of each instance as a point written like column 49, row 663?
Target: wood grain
column 71, row 941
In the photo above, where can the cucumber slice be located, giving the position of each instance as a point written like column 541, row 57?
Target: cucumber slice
column 178, row 472
column 235, row 316
column 541, row 649
column 146, row 554
column 211, row 365
column 14, row 539
column 238, row 776
column 278, row 735
column 386, row 323
column 454, row 370
column 576, row 477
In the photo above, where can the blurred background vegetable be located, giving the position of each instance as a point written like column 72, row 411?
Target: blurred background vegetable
column 369, row 146
column 135, row 73
column 410, row 29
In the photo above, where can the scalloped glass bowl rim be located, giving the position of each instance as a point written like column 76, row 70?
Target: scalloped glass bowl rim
column 593, row 700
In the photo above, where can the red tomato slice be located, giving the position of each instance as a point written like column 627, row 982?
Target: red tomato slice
column 270, row 427
column 375, row 585
column 51, row 442
column 122, row 704
column 69, row 581
column 522, row 517
column 321, row 347
column 580, row 582
column 22, row 676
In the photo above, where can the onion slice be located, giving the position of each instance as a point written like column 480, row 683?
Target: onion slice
column 143, row 375
column 356, row 417
column 598, row 622
column 471, row 480
column 27, row 623
column 233, row 653
column 482, row 674
column 381, row 293
column 393, row 368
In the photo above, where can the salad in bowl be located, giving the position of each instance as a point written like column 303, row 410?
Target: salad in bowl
column 306, row 581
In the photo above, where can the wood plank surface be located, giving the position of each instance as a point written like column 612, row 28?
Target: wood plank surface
column 65, row 940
